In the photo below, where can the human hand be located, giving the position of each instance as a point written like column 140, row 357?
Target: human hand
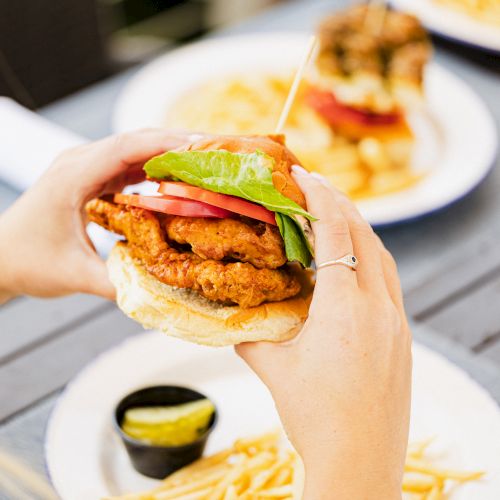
column 342, row 387
column 44, row 248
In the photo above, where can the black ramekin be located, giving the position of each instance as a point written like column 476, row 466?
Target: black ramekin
column 160, row 461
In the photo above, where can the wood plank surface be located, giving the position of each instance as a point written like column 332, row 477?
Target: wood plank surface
column 42, row 371
column 491, row 351
column 7, row 196
column 473, row 319
column 27, row 322
column 462, row 277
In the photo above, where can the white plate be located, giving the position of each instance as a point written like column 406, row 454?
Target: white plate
column 452, row 24
column 86, row 461
column 456, row 136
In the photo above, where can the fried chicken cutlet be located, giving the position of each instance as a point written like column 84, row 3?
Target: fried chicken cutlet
column 250, row 241
column 248, row 284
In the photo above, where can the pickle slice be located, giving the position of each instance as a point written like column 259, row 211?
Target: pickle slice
column 169, row 425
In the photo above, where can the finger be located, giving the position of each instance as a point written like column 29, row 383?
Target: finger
column 369, row 272
column 133, row 175
column 92, row 273
column 96, row 279
column 105, row 159
column 331, row 233
column 391, row 276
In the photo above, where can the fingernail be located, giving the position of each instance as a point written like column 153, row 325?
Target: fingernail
column 321, row 179
column 297, row 169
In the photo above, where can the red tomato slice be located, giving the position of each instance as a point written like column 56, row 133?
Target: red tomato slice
column 337, row 113
column 172, row 205
column 232, row 203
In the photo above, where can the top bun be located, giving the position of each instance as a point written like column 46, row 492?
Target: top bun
column 272, row 145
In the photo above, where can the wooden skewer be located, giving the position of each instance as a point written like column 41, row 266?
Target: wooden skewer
column 375, row 16
column 295, row 85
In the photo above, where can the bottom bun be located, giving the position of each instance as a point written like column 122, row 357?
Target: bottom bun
column 185, row 314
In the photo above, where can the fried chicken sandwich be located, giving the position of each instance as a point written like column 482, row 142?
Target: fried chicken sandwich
column 370, row 66
column 220, row 255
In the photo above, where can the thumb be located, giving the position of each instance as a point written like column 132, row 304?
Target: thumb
column 97, row 280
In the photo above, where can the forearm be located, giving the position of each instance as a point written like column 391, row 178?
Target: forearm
column 352, row 474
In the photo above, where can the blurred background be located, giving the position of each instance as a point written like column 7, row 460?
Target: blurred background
column 50, row 48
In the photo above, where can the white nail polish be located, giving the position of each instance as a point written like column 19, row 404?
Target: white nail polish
column 297, row 169
column 321, row 179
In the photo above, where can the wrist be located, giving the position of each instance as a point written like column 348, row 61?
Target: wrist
column 350, row 475
column 338, row 487
column 7, row 280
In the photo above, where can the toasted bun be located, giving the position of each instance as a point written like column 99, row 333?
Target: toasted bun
column 272, row 145
column 186, row 314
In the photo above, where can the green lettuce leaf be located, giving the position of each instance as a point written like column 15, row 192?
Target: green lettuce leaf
column 295, row 244
column 248, row 176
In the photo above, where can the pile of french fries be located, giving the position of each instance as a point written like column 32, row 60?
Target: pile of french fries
column 255, row 468
column 252, row 104
column 425, row 481
column 261, row 468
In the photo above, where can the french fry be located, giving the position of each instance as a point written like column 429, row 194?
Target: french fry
column 260, row 443
column 231, row 493
column 284, row 476
column 189, row 487
column 426, row 468
column 298, row 478
column 258, row 468
column 279, row 492
column 418, row 448
column 436, row 493
column 264, row 477
column 201, row 464
column 195, row 495
column 418, row 483
column 230, row 478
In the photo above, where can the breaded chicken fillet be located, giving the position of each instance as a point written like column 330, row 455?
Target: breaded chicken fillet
column 250, row 241
column 227, row 282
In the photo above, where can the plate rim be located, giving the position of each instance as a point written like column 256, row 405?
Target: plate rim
column 452, row 35
column 122, row 106
column 142, row 337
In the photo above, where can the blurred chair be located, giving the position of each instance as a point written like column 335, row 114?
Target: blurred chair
column 49, row 48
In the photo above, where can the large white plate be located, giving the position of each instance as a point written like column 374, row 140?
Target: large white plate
column 456, row 135
column 452, row 24
column 86, row 461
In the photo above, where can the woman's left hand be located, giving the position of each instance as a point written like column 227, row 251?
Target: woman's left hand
column 44, row 248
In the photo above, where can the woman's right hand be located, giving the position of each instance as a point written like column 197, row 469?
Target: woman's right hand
column 342, row 387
